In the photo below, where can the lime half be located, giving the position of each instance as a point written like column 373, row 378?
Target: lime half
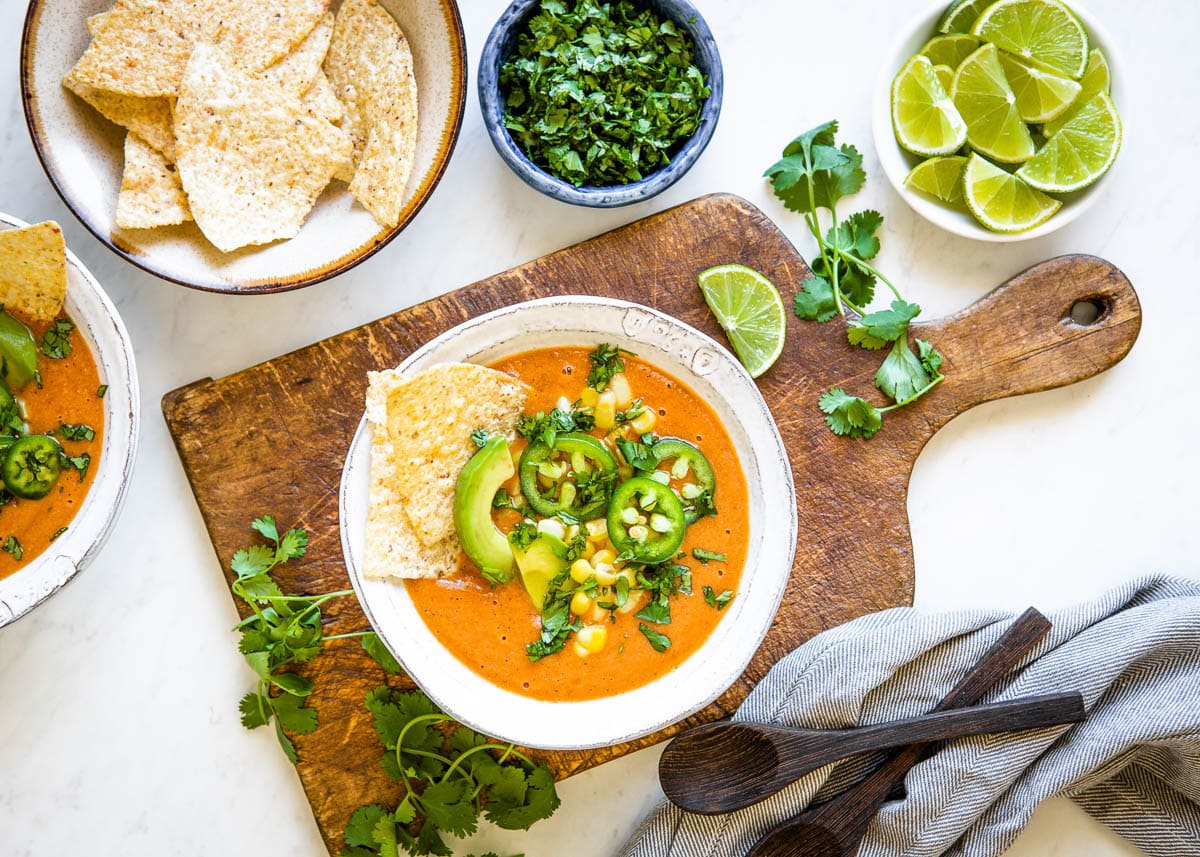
column 941, row 178
column 1041, row 95
column 950, row 50
column 988, row 105
column 961, row 15
column 1043, row 31
column 1095, row 80
column 1001, row 201
column 923, row 116
column 748, row 307
column 1080, row 153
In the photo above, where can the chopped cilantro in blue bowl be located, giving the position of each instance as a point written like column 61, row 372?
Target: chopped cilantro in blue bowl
column 601, row 182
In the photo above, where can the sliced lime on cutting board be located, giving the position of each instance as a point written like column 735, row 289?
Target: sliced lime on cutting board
column 1001, row 201
column 1041, row 95
column 940, row 178
column 923, row 115
column 1043, row 31
column 748, row 308
column 988, row 105
column 1080, row 153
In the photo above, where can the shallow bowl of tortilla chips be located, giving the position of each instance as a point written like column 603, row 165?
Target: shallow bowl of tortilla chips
column 44, row 266
column 249, row 156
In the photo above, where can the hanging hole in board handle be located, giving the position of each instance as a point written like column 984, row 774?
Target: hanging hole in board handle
column 1088, row 311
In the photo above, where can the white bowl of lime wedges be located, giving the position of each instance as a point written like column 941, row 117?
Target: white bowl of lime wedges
column 1009, row 113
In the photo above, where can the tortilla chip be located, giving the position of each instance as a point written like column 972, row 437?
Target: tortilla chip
column 151, row 194
column 253, row 159
column 33, row 270
column 371, row 68
column 298, row 71
column 393, row 549
column 430, row 418
column 322, row 100
column 96, row 23
column 149, row 118
column 144, row 45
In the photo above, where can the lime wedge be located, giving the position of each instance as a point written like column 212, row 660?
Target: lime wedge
column 940, row 178
column 1044, row 31
column 1041, row 95
column 988, row 105
column 1080, row 153
column 748, row 307
column 945, row 76
column 1001, row 201
column 961, row 15
column 923, row 115
column 1095, row 80
column 950, row 50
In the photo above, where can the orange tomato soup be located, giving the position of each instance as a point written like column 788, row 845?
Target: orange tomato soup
column 68, row 395
column 487, row 628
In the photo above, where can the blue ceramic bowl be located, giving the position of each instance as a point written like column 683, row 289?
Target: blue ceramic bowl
column 501, row 43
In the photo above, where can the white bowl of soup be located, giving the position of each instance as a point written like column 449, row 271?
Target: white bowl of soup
column 83, row 405
column 666, row 592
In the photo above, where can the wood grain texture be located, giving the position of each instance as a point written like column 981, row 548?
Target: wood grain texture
column 273, row 438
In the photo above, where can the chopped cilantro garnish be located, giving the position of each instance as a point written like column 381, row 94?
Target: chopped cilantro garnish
column 712, row 599
column 479, row 437
column 659, row 642
column 56, row 341
column 58, row 533
column 12, row 546
column 606, row 362
column 705, row 557
column 77, row 432
column 101, row 391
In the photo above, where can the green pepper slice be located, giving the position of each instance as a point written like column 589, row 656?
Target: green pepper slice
column 660, row 536
column 581, row 491
column 698, row 468
column 18, row 352
column 31, row 466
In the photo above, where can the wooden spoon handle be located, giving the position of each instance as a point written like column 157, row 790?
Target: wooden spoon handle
column 1022, row 338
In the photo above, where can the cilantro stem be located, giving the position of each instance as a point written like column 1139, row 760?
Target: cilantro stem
column 440, row 718
column 850, row 257
column 320, row 599
column 348, row 635
column 921, row 392
column 507, row 748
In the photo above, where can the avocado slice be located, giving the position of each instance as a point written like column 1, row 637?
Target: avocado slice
column 478, row 483
column 18, row 352
column 539, row 563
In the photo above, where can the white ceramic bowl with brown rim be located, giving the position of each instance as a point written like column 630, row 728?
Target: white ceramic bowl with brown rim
column 83, row 157
column 717, row 378
column 99, row 326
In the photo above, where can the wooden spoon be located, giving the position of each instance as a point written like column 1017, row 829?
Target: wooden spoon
column 836, row 827
column 720, row 767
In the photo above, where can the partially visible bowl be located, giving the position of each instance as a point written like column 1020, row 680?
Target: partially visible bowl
column 83, row 157
column 717, row 378
column 897, row 163
column 500, row 44
column 100, row 327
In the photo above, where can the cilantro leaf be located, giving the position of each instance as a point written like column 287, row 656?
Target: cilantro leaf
column 707, row 556
column 931, row 358
column 360, row 829
column 293, row 545
column 255, row 711
column 848, row 415
column 659, row 642
column 875, row 330
column 901, row 375
column 448, row 805
column 265, row 526
column 252, row 561
column 292, row 683
column 479, row 437
column 374, row 647
column 56, row 341
column 856, row 234
column 814, row 301
column 607, row 361
column 540, row 801
column 712, row 599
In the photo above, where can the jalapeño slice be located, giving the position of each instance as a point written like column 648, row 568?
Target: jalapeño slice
column 580, row 469
column 695, row 466
column 660, row 536
column 31, row 466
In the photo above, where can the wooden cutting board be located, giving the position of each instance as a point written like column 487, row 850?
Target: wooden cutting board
column 273, row 438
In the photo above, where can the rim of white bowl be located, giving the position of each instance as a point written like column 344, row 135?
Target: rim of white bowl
column 897, row 163
column 723, row 657
column 100, row 326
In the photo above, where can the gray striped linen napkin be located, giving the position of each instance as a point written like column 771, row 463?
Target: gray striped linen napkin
column 1133, row 653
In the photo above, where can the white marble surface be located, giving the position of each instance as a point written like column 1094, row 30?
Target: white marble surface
column 118, row 723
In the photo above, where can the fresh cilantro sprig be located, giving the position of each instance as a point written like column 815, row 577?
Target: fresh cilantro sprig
column 56, row 341
column 813, row 174
column 607, row 360
column 452, row 775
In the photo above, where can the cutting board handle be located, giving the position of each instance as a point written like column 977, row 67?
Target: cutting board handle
column 1061, row 321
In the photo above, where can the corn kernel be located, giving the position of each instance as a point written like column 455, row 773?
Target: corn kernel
column 662, row 477
column 606, row 411
column 580, row 603
column 599, row 615
column 644, row 421
column 552, row 526
column 607, row 556
column 679, row 470
column 572, row 532
column 597, row 529
column 636, row 601
column 592, row 637
column 623, row 393
column 588, row 397
column 581, row 570
column 691, row 491
column 604, row 574
column 629, row 515
column 660, row 523
column 563, row 403
column 589, row 550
